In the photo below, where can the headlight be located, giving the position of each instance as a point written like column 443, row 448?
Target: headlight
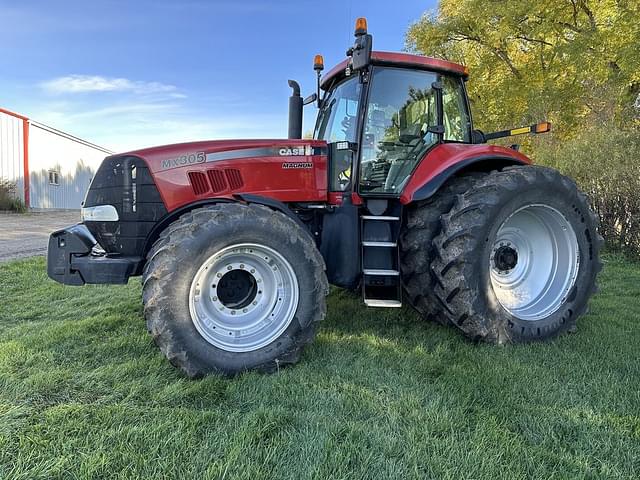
column 99, row 213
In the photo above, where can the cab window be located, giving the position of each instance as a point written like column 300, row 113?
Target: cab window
column 400, row 110
column 338, row 119
column 457, row 122
column 338, row 122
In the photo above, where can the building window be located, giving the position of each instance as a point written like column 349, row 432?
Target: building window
column 54, row 177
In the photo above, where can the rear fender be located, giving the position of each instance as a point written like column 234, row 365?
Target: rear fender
column 449, row 159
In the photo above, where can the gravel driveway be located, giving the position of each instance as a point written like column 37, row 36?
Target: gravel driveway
column 26, row 235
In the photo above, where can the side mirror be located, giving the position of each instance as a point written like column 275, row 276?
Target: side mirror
column 310, row 99
column 477, row 136
column 435, row 129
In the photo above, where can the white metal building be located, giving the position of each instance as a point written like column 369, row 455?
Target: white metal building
column 51, row 169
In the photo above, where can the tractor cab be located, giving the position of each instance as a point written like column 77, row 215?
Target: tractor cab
column 388, row 120
column 382, row 112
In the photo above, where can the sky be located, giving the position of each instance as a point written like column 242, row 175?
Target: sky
column 130, row 74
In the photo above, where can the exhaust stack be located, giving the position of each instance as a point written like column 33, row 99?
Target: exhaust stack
column 295, row 111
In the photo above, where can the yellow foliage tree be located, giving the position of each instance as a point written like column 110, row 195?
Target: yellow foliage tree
column 568, row 61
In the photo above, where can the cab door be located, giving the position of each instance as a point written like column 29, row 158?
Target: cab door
column 401, row 126
column 338, row 125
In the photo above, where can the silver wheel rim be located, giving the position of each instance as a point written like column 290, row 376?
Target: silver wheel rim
column 243, row 297
column 534, row 262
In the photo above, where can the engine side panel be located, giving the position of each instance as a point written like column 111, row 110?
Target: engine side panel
column 445, row 159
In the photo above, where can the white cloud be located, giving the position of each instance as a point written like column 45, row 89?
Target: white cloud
column 123, row 114
column 97, row 83
column 124, row 110
column 126, row 126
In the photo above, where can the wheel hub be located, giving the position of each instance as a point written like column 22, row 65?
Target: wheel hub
column 243, row 297
column 237, row 288
column 506, row 258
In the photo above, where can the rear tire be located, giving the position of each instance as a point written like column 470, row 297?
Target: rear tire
column 417, row 251
column 517, row 257
column 231, row 287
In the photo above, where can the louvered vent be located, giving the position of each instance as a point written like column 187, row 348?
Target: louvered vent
column 217, row 181
column 234, row 178
column 199, row 182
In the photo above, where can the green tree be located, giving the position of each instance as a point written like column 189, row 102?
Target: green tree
column 569, row 61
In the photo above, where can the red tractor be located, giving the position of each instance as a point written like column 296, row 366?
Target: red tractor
column 396, row 195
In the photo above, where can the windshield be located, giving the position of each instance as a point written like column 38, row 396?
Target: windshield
column 401, row 108
column 337, row 120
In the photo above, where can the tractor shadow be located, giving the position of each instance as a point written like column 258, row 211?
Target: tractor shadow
column 347, row 315
column 390, row 339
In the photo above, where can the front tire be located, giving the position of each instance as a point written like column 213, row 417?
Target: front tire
column 231, row 287
column 517, row 257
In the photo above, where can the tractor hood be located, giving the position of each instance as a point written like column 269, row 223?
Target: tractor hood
column 169, row 157
column 287, row 170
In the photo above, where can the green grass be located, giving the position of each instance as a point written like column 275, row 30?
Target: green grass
column 380, row 394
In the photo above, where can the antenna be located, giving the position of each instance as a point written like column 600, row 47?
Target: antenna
column 349, row 22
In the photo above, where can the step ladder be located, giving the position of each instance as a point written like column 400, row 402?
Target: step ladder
column 381, row 285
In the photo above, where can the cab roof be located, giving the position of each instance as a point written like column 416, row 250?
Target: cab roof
column 395, row 59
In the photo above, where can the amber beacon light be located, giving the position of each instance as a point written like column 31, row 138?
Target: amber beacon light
column 361, row 26
column 318, row 63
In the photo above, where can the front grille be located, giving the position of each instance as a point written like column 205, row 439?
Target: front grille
column 126, row 183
